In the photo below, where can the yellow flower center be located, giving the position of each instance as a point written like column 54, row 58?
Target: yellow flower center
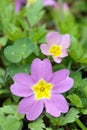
column 31, row 2
column 42, row 90
column 55, row 50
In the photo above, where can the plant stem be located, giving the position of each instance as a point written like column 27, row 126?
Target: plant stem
column 80, row 124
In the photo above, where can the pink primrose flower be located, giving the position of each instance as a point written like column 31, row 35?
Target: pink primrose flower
column 50, row 3
column 57, row 46
column 41, row 89
column 19, row 4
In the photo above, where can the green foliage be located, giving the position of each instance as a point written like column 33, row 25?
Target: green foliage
column 20, row 50
column 75, row 99
column 37, row 125
column 38, row 34
column 13, row 69
column 10, row 119
column 68, row 118
column 21, row 34
column 76, row 50
column 3, row 41
column 35, row 13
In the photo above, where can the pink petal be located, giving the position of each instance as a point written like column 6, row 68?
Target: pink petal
column 49, row 3
column 23, row 78
column 30, row 107
column 41, row 69
column 65, row 41
column 21, row 90
column 22, row 85
column 56, row 105
column 63, row 86
column 64, row 53
column 53, row 38
column 57, row 59
column 44, row 49
column 59, row 76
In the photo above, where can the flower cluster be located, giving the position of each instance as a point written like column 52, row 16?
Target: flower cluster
column 42, row 89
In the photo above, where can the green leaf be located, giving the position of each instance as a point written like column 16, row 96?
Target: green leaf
column 84, row 111
column 68, row 118
column 13, row 69
column 49, row 129
column 77, row 79
column 10, row 117
column 14, row 33
column 83, row 59
column 21, row 49
column 84, row 84
column 37, row 125
column 76, row 50
column 12, row 110
column 10, row 123
column 75, row 99
column 3, row 41
column 38, row 34
column 34, row 12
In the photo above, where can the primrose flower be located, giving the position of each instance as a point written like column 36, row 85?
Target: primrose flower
column 50, row 3
column 57, row 46
column 19, row 4
column 41, row 89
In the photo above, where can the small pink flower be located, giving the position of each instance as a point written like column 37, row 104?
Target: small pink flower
column 65, row 6
column 50, row 3
column 19, row 4
column 57, row 46
column 42, row 89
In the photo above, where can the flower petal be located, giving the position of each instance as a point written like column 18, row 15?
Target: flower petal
column 57, row 60
column 56, row 105
column 64, row 53
column 19, row 4
column 49, row 3
column 53, row 38
column 63, row 86
column 41, row 69
column 21, row 90
column 65, row 41
column 44, row 49
column 59, row 76
column 22, row 85
column 30, row 107
column 23, row 78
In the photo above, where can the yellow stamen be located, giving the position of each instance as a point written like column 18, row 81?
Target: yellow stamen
column 55, row 50
column 42, row 89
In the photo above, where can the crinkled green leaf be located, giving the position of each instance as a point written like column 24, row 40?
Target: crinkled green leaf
column 10, row 123
column 38, row 33
column 84, row 111
column 76, row 50
column 75, row 99
column 12, row 110
column 14, row 33
column 34, row 12
column 37, row 125
column 13, row 69
column 21, row 49
column 77, row 78
column 68, row 118
column 10, row 119
column 83, row 59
